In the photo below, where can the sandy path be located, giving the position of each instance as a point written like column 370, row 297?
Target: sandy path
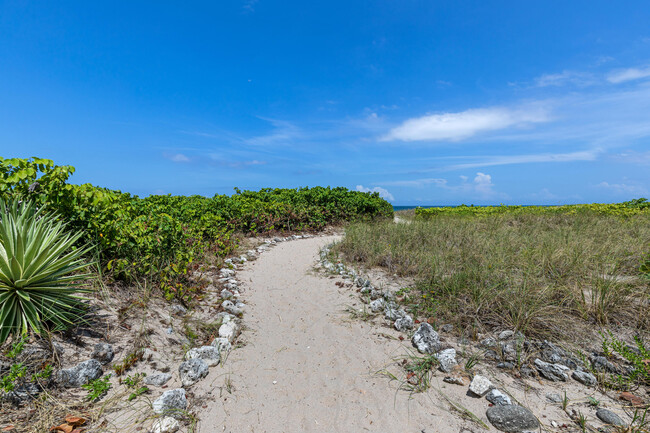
column 322, row 364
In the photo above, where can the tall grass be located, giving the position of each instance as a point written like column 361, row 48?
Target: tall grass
column 541, row 274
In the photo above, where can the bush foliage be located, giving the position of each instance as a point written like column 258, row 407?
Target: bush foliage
column 160, row 236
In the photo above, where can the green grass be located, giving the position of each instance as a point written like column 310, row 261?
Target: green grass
column 543, row 274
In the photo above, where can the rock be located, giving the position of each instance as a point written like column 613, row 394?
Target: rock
column 103, row 352
column 585, row 378
column 391, row 312
column 172, row 403
column 226, row 294
column 426, row 339
column 551, row 353
column 488, row 342
column 22, row 393
column 456, row 379
column 192, row 370
column 497, row 397
column 80, row 374
column 526, row 371
column 504, row 335
column 232, row 308
column 222, row 344
column 447, row 328
column 178, row 310
column 377, row 305
column 405, row 323
column 480, row 385
column 509, row 351
column 158, row 379
column 609, row 417
column 209, row 354
column 553, row 372
column 600, row 363
column 506, row 365
column 229, row 330
column 166, row 425
column 512, row 419
column 447, row 360
column 227, row 272
column 554, row 398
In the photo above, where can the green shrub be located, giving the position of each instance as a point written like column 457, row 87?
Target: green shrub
column 39, row 271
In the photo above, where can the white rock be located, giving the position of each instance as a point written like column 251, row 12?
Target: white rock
column 480, row 385
column 377, row 305
column 504, row 335
column 222, row 344
column 192, row 370
column 232, row 308
column 497, row 397
column 229, row 330
column 172, row 402
column 209, row 354
column 447, row 360
column 166, row 425
column 158, row 379
column 405, row 323
column 426, row 339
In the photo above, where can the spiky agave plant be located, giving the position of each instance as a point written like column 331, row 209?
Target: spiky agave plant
column 41, row 273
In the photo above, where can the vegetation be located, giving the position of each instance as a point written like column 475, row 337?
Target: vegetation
column 39, row 271
column 161, row 237
column 532, row 269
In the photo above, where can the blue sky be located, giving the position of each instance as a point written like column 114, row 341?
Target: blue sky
column 427, row 102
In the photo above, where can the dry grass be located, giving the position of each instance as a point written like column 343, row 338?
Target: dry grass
column 540, row 274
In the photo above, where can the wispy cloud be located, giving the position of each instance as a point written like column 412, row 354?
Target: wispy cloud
column 177, row 157
column 630, row 74
column 585, row 155
column 417, row 183
column 479, row 187
column 624, row 188
column 383, row 193
column 566, row 77
column 465, row 124
column 283, row 133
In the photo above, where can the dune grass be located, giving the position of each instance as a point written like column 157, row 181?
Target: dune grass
column 543, row 274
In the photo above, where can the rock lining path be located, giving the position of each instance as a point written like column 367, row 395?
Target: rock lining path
column 305, row 366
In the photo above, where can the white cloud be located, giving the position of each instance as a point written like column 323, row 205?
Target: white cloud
column 177, row 157
column 565, row 77
column 586, row 155
column 483, row 183
column 624, row 188
column 465, row 124
column 622, row 75
column 417, row 182
column 383, row 193
column 481, row 186
column 283, row 133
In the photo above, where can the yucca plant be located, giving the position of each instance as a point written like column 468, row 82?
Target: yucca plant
column 41, row 272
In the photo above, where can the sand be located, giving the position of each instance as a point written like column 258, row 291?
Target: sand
column 305, row 365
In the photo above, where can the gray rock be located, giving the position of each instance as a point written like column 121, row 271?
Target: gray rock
column 480, row 385
column 506, row 365
column 405, row 323
column 227, row 272
column 509, row 351
column 447, row 328
column 585, row 378
column 229, row 330
column 391, row 312
column 377, row 305
column 178, row 310
column 512, row 419
column 172, row 403
column 554, row 398
column 192, row 370
column 80, row 374
column 209, row 354
column 609, row 417
column 504, row 335
column 526, row 371
column 552, row 353
column 158, row 379
column 230, row 307
column 455, row 379
column 103, row 352
column 553, row 372
column 497, row 397
column 23, row 393
column 488, row 342
column 226, row 294
column 600, row 363
column 447, row 360
column 426, row 339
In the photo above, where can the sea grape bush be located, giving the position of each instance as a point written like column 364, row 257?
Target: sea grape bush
column 159, row 237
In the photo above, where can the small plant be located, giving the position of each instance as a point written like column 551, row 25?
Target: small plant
column 581, row 420
column 565, row 402
column 639, row 423
column 419, row 372
column 131, row 359
column 134, row 383
column 473, row 359
column 640, row 372
column 97, row 388
column 592, row 401
column 39, row 271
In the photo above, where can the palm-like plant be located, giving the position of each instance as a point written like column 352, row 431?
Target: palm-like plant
column 41, row 272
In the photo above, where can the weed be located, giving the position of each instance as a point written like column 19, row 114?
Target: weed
column 473, row 359
column 638, row 358
column 131, row 359
column 97, row 388
column 592, row 401
column 565, row 402
column 419, row 371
